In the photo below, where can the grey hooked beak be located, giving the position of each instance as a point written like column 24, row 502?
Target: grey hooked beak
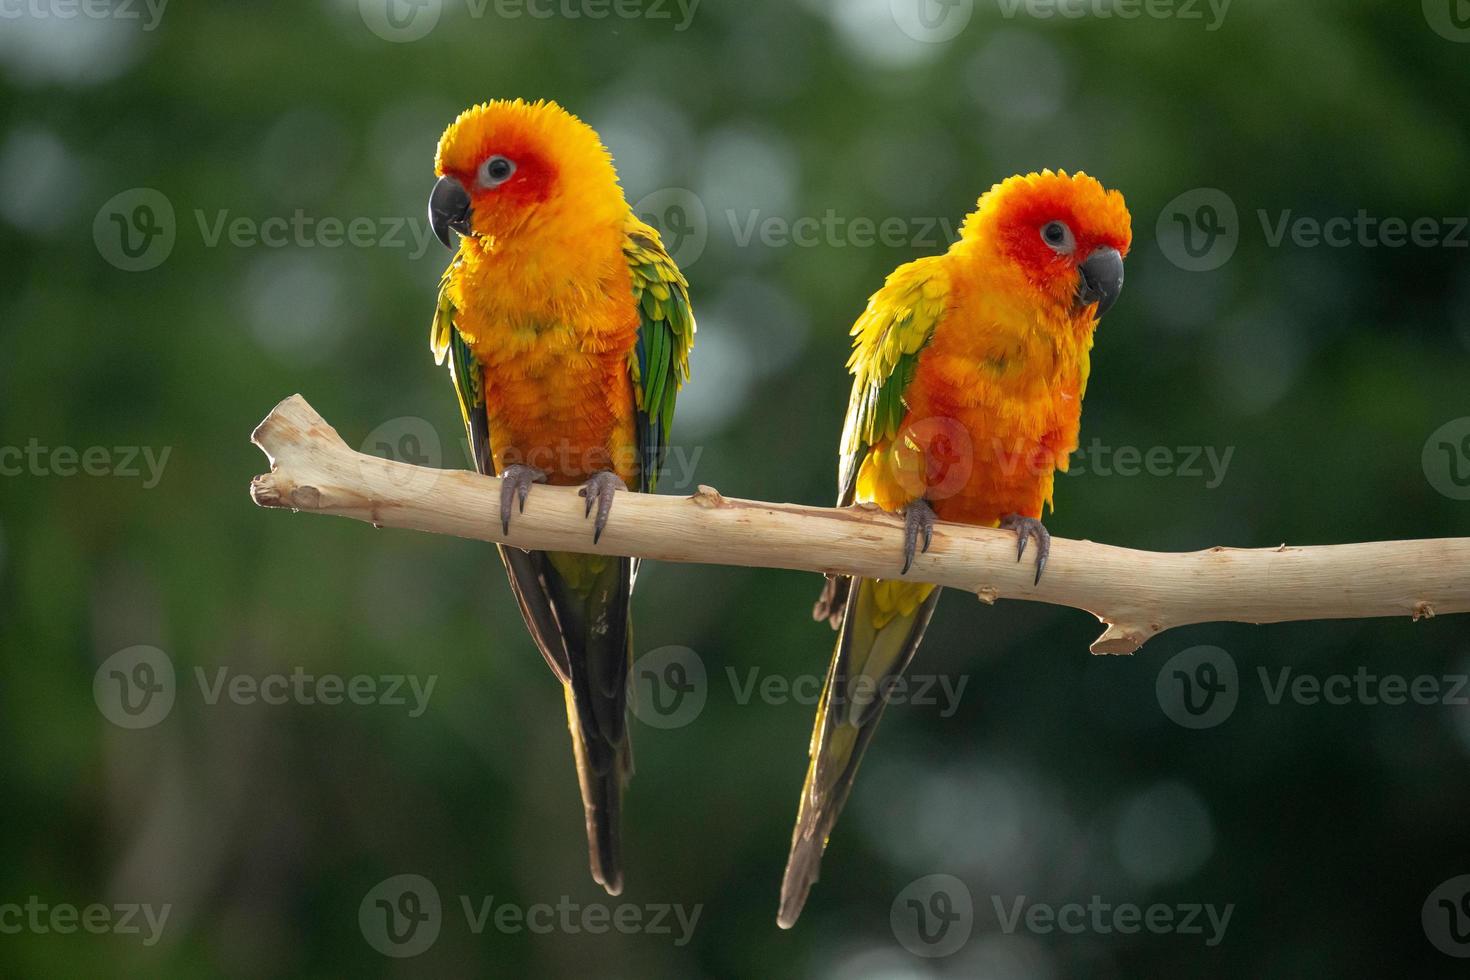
column 1100, row 279
column 449, row 207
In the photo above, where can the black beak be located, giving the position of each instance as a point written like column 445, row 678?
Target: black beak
column 1100, row 279
column 449, row 207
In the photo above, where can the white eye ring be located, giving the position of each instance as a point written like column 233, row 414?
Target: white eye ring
column 1058, row 237
column 496, row 171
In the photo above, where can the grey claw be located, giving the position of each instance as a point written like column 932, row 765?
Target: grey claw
column 1029, row 527
column 515, row 486
column 600, row 488
column 918, row 518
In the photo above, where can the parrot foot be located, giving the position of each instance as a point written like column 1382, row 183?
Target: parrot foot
column 918, row 518
column 1029, row 527
column 515, row 484
column 599, row 490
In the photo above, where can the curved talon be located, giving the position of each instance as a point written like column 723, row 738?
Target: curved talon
column 1029, row 527
column 600, row 488
column 515, row 485
column 918, row 518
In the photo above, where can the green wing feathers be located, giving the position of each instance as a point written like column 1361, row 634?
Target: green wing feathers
column 659, row 364
column 888, row 337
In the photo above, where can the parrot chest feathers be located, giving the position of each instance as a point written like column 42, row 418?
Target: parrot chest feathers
column 555, row 375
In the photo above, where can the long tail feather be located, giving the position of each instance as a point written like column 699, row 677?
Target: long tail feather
column 576, row 607
column 874, row 646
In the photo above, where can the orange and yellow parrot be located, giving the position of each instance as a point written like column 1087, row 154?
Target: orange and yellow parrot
column 968, row 375
column 567, row 329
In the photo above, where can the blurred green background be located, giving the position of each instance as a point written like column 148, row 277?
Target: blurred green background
column 132, row 318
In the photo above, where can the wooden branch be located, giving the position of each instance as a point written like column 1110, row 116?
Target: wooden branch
column 1138, row 594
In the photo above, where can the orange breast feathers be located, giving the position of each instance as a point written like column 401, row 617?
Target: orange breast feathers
column 994, row 408
column 553, row 335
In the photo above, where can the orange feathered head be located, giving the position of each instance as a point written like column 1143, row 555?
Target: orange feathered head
column 507, row 167
column 1066, row 234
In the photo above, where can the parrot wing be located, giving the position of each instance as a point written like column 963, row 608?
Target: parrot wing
column 659, row 363
column 888, row 337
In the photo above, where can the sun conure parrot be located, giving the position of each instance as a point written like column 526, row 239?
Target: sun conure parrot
column 968, row 375
column 567, row 329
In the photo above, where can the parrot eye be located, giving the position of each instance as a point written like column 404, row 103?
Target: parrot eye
column 496, row 171
column 1059, row 237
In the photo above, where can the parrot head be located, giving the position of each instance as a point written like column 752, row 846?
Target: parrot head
column 511, row 170
column 1064, row 235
